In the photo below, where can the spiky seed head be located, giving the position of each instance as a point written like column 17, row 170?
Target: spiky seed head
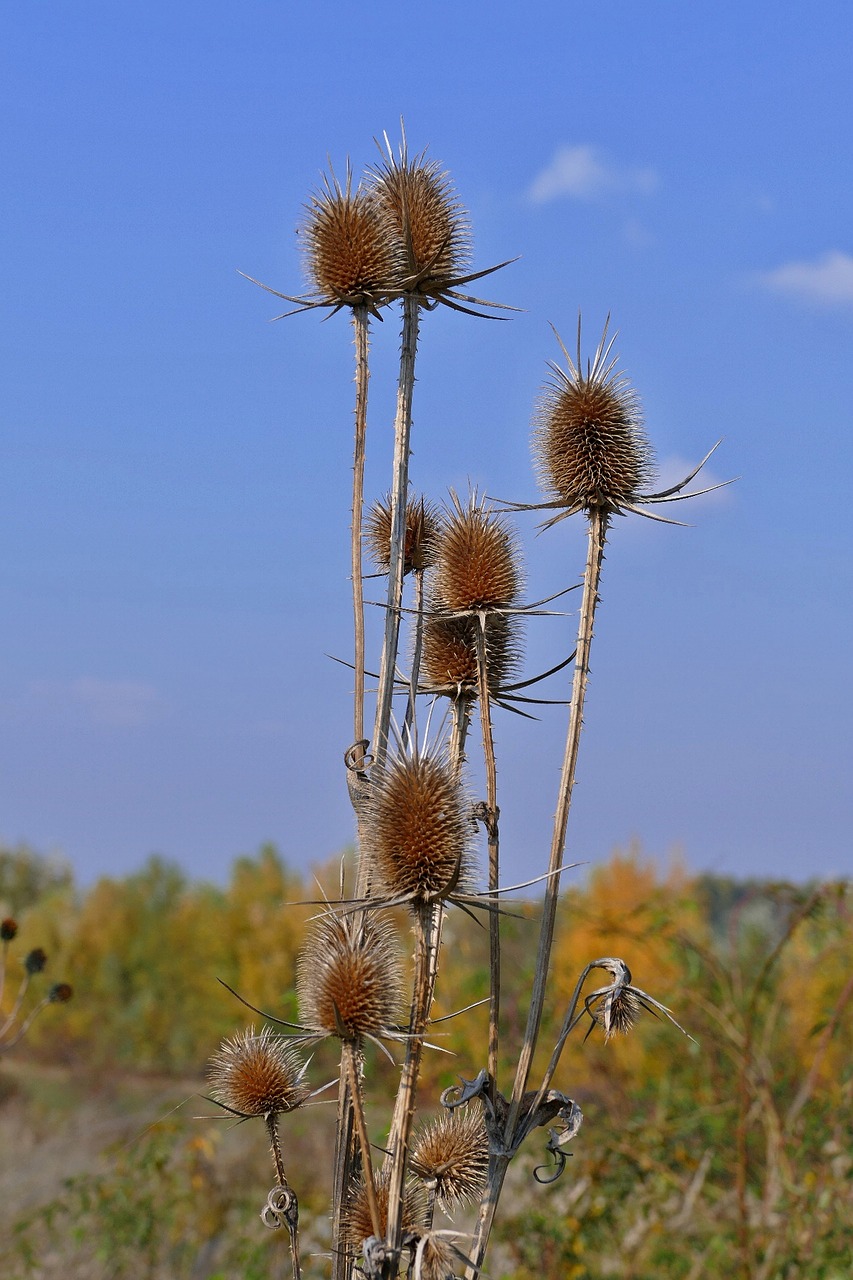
column 423, row 215
column 8, row 929
column 589, row 446
column 436, row 1258
column 60, row 993
column 421, row 533
column 478, row 564
column 257, row 1075
column 348, row 256
column 35, row 961
column 451, row 1153
column 358, row 1225
column 348, row 978
column 617, row 1014
column 449, row 658
column 419, row 831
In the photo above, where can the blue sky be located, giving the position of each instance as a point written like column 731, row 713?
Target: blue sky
column 175, row 470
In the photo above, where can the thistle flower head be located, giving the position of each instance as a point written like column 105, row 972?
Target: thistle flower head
column 589, row 446
column 449, row 659
column 348, row 979
column 8, row 929
column 421, row 534
column 419, row 831
column 451, row 1154
column 478, row 563
column 349, row 258
column 257, row 1075
column 35, row 960
column 358, row 1225
column 422, row 215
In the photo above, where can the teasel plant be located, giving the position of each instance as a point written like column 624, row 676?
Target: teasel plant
column 15, row 1023
column 402, row 237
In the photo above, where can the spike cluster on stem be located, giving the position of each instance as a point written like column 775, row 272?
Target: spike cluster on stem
column 348, row 979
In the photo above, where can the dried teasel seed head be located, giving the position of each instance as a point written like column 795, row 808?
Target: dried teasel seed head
column 8, row 929
column 478, row 564
column 589, row 446
column 35, row 960
column 60, row 993
column 257, row 1075
column 348, row 256
column 348, row 978
column 449, row 657
column 436, row 1258
column 422, row 524
column 358, row 1225
column 451, row 1154
column 419, row 831
column 422, row 214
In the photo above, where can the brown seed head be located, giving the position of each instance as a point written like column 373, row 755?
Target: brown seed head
column 419, row 831
column 348, row 978
column 358, row 1225
column 589, row 446
column 257, row 1075
column 60, row 993
column 452, row 1154
column 449, row 659
column 35, row 960
column 8, row 929
column 478, row 564
column 422, row 214
column 348, row 256
column 421, row 532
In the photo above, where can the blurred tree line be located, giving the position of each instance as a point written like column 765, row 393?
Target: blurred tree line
column 731, row 1151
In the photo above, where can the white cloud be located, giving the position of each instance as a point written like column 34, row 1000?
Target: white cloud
column 827, row 280
column 585, row 173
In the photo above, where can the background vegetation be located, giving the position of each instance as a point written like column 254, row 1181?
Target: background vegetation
column 729, row 1153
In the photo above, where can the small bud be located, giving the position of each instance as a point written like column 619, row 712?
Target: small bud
column 60, row 993
column 8, row 929
column 35, row 961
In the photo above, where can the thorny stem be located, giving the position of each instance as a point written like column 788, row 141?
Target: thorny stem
column 399, row 494
column 344, row 1162
column 361, row 337
column 25, row 1025
column 461, row 720
column 361, row 1129
column 292, row 1211
column 418, row 575
column 597, row 535
column 428, row 927
column 492, row 830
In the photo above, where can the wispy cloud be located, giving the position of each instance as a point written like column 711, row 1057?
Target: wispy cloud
column 585, row 173
column 827, row 280
column 107, row 703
